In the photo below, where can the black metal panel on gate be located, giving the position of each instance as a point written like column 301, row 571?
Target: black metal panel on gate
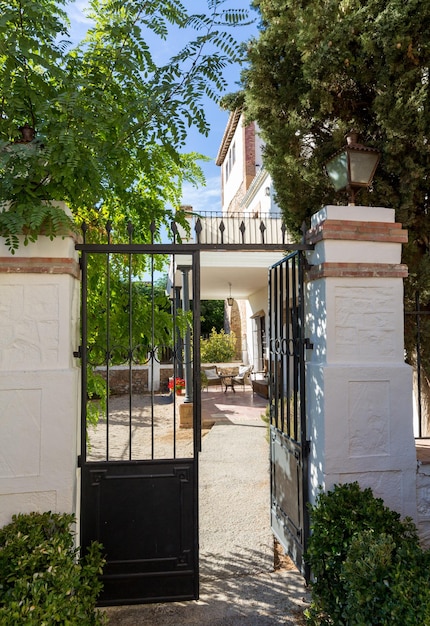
column 139, row 480
column 288, row 437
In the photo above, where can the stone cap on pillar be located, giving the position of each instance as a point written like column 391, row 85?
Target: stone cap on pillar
column 353, row 213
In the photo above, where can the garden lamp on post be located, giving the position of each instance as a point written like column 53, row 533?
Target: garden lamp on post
column 352, row 167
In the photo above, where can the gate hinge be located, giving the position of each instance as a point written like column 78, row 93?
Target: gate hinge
column 306, row 447
column 79, row 461
column 308, row 344
column 78, row 353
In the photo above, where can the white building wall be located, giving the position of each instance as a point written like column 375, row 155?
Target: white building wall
column 259, row 198
column 235, row 179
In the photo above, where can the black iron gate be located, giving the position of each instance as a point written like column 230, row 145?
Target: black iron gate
column 139, row 472
column 289, row 446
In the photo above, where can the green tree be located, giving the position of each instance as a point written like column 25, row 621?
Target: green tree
column 319, row 69
column 212, row 315
column 109, row 122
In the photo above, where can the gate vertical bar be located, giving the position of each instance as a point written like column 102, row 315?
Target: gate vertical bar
column 108, row 340
column 130, row 343
column 196, row 405
column 84, row 352
column 305, row 444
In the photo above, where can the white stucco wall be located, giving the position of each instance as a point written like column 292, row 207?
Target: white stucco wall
column 359, row 388
column 39, row 380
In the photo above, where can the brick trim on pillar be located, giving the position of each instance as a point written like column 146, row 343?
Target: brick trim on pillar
column 358, row 231
column 352, row 230
column 39, row 265
column 357, row 270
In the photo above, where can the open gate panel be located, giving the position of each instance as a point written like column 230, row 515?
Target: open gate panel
column 288, row 439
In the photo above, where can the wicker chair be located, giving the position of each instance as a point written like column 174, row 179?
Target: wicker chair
column 243, row 377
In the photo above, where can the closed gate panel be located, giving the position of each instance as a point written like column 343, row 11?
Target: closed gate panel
column 139, row 475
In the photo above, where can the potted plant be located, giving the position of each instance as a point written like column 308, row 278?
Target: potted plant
column 178, row 384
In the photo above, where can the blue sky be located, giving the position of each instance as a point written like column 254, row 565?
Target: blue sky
column 209, row 198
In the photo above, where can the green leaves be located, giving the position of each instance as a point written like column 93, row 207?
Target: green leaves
column 367, row 564
column 43, row 581
column 110, row 120
column 218, row 348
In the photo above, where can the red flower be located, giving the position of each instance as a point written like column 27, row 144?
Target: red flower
column 178, row 383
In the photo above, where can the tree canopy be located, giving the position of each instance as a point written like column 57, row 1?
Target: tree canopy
column 319, row 69
column 109, row 122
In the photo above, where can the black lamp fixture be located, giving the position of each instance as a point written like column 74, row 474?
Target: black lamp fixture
column 230, row 299
column 352, row 167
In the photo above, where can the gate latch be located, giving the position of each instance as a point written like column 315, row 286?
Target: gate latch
column 78, row 353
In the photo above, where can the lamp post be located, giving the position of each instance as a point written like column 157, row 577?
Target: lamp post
column 352, row 167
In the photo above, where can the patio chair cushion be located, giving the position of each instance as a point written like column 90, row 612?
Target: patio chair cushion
column 242, row 377
column 211, row 374
column 243, row 369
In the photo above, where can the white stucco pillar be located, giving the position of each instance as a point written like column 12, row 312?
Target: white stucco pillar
column 359, row 387
column 39, row 377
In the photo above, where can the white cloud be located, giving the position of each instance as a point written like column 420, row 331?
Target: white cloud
column 76, row 13
column 206, row 198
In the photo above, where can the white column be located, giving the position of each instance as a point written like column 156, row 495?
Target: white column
column 39, row 377
column 359, row 388
column 154, row 368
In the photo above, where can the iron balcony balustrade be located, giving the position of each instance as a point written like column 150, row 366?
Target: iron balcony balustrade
column 212, row 229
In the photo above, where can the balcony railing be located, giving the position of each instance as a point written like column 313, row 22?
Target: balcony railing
column 214, row 228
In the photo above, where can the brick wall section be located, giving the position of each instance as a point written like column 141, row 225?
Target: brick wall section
column 357, row 270
column 358, row 231
column 39, row 265
column 119, row 380
column 249, row 154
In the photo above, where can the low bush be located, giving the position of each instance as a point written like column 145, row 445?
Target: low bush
column 219, row 348
column 367, row 565
column 42, row 581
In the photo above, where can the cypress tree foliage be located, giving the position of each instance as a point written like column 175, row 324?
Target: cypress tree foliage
column 319, row 69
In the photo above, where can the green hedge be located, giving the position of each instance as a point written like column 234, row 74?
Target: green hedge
column 42, row 581
column 368, row 568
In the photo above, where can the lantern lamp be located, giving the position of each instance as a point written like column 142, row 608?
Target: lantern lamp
column 352, row 167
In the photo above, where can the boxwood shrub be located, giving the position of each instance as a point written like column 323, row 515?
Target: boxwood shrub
column 42, row 580
column 367, row 565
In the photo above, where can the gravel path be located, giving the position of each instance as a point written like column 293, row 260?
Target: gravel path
column 238, row 584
